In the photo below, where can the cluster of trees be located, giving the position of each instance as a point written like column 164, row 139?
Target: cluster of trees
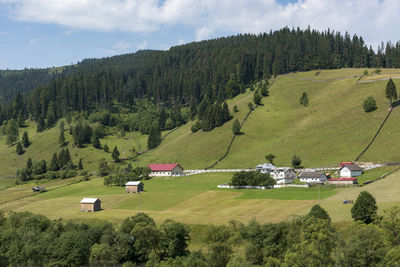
column 211, row 115
column 311, row 240
column 184, row 75
column 41, row 169
column 254, row 178
column 124, row 175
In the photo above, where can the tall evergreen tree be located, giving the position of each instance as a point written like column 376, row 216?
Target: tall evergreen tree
column 96, row 141
column 115, row 154
column 21, row 120
column 154, row 138
column 41, row 125
column 236, row 127
column 19, row 150
column 12, row 132
column 54, row 163
column 61, row 138
column 391, row 92
column 25, row 139
column 304, row 100
column 80, row 164
column 51, row 116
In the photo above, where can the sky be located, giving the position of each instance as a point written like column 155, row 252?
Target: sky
column 47, row 33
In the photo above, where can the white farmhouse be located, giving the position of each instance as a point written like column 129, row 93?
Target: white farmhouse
column 173, row 169
column 313, row 177
column 282, row 175
column 350, row 170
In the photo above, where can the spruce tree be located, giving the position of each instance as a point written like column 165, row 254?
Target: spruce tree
column 21, row 121
column 96, row 141
column 80, row 164
column 154, row 138
column 40, row 124
column 296, row 161
column 257, row 98
column 54, row 163
column 12, row 132
column 391, row 92
column 51, row 116
column 19, row 150
column 106, row 149
column 304, row 100
column 29, row 164
column 115, row 154
column 61, row 138
column 25, row 139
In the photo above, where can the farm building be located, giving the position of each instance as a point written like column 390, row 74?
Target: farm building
column 282, row 175
column 313, row 177
column 173, row 169
column 342, row 181
column 134, row 187
column 350, row 170
column 90, row 204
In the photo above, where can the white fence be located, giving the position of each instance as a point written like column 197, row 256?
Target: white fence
column 217, row 170
column 260, row 187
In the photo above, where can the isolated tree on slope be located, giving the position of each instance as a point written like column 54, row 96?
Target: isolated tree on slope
column 270, row 158
column 304, row 99
column 115, row 154
column 364, row 209
column 25, row 139
column 391, row 92
column 12, row 132
column 236, row 127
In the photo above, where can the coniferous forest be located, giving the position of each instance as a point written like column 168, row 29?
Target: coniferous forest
column 185, row 75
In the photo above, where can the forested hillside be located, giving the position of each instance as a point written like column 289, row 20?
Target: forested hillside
column 185, row 75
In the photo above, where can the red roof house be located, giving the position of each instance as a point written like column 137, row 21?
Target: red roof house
column 171, row 169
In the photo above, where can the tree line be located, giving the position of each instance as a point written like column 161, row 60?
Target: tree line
column 27, row 239
column 185, row 75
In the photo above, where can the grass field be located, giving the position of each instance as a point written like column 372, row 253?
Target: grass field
column 333, row 128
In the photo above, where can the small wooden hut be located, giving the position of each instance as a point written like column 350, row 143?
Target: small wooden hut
column 90, row 204
column 134, row 187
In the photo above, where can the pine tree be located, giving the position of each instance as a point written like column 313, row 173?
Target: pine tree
column 29, row 164
column 115, row 154
column 25, row 139
column 21, row 121
column 12, row 132
column 61, row 138
column 106, row 149
column 80, row 164
column 391, row 92
column 40, row 124
column 19, row 150
column 270, row 158
column 96, row 141
column 54, row 163
column 296, row 161
column 154, row 138
column 304, row 100
column 51, row 116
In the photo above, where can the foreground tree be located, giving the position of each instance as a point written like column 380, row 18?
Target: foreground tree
column 391, row 92
column 318, row 212
column 19, row 150
column 364, row 209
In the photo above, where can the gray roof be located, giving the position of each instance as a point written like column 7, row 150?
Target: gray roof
column 266, row 166
column 311, row 174
column 352, row 167
column 133, row 183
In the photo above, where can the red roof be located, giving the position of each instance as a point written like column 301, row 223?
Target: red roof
column 343, row 179
column 163, row 167
column 343, row 163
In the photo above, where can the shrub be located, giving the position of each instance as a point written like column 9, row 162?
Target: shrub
column 369, row 104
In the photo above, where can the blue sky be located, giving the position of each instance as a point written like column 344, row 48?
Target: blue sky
column 45, row 33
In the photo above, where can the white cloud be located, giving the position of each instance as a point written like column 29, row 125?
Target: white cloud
column 372, row 19
column 120, row 47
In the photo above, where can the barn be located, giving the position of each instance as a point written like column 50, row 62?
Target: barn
column 90, row 204
column 313, row 177
column 172, row 169
column 350, row 170
column 134, row 187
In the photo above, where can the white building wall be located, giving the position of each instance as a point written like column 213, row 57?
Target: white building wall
column 345, row 173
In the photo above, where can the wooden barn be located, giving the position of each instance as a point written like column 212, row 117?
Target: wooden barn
column 134, row 187
column 90, row 204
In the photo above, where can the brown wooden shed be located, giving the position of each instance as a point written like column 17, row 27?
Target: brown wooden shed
column 90, row 204
column 134, row 187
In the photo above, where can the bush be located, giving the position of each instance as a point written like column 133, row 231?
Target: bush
column 196, row 126
column 369, row 104
column 254, row 178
